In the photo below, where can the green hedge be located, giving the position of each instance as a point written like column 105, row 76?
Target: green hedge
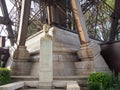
column 99, row 81
column 4, row 76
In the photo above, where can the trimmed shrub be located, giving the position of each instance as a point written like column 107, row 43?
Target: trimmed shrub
column 94, row 86
column 99, row 81
column 4, row 76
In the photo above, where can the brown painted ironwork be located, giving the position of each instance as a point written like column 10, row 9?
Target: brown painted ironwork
column 97, row 14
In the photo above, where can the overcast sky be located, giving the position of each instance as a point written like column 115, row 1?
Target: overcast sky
column 9, row 6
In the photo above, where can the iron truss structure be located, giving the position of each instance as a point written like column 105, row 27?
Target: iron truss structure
column 99, row 17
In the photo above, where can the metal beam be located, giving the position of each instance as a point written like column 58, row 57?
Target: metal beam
column 49, row 14
column 23, row 26
column 80, row 22
column 4, row 21
column 115, row 18
column 6, row 15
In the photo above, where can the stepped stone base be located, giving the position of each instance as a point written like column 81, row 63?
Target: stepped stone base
column 21, row 53
column 58, row 82
column 91, row 60
column 21, row 64
column 63, row 64
column 12, row 86
column 84, row 68
column 43, row 89
column 65, row 46
column 38, row 84
column 20, row 67
column 45, row 85
column 71, row 85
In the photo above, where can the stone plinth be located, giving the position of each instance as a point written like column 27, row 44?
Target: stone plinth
column 73, row 85
column 65, row 46
column 12, row 86
column 21, row 64
column 21, row 53
column 91, row 60
column 21, row 67
column 88, row 51
column 84, row 67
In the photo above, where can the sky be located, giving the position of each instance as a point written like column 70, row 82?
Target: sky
column 9, row 7
column 0, row 12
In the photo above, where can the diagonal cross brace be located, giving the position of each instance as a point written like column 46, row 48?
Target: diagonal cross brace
column 6, row 16
column 5, row 21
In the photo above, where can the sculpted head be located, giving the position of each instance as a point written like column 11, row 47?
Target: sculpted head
column 46, row 28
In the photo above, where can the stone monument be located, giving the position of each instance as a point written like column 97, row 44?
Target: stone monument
column 46, row 63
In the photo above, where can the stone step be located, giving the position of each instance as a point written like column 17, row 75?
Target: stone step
column 70, row 77
column 12, row 86
column 82, row 80
column 24, row 78
column 55, row 84
column 43, row 89
column 29, row 78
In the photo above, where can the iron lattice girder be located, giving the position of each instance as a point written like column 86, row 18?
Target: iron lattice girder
column 38, row 19
column 88, row 6
column 114, row 33
column 5, row 21
column 6, row 15
column 97, row 15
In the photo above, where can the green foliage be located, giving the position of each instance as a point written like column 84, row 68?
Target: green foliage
column 4, row 76
column 102, row 81
column 115, row 82
column 94, row 86
column 99, row 81
column 32, row 29
column 115, row 86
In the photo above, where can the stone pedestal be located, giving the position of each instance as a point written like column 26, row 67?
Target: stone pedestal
column 88, row 51
column 73, row 85
column 21, row 64
column 84, row 68
column 20, row 67
column 91, row 60
column 21, row 53
column 46, row 61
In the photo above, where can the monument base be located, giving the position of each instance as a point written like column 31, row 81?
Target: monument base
column 21, row 67
column 91, row 60
column 21, row 64
column 21, row 53
column 45, row 85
